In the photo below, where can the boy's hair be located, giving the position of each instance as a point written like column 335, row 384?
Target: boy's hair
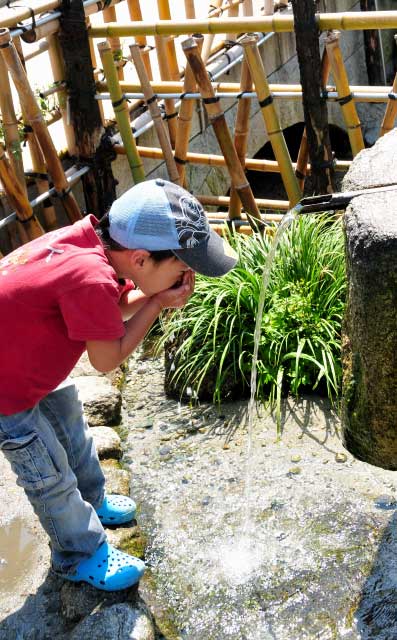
column 102, row 231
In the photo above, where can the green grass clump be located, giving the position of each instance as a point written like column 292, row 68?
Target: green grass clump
column 299, row 350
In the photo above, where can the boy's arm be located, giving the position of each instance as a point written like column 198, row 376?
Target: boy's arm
column 130, row 302
column 106, row 355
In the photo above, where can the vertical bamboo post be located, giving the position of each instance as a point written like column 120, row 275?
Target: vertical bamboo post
column 185, row 116
column 232, row 13
column 391, row 108
column 121, row 112
column 190, row 11
column 303, row 153
column 346, row 101
column 241, row 134
column 38, row 163
column 169, row 103
column 17, row 197
column 58, row 73
column 270, row 117
column 109, row 15
column 209, row 37
column 268, row 8
column 218, row 121
column 173, row 68
column 150, row 99
column 36, row 121
column 134, row 10
column 248, row 9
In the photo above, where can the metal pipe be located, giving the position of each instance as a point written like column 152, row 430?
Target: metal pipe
column 72, row 178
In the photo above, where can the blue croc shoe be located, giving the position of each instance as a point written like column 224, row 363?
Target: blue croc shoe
column 116, row 510
column 108, row 569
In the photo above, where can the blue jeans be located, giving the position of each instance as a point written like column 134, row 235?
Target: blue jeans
column 53, row 455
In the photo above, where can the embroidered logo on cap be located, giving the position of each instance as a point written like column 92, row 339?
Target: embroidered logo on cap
column 191, row 226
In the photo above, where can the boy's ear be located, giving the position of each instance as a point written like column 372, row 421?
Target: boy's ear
column 139, row 257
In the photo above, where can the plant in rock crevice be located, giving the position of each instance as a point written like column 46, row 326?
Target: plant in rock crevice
column 210, row 341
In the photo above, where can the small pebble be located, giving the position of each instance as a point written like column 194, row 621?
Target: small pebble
column 340, row 457
column 165, row 451
column 294, row 471
column 226, row 446
column 296, row 458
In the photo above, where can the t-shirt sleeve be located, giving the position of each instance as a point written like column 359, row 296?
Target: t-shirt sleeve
column 91, row 312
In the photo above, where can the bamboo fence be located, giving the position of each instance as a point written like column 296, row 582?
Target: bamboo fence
column 36, row 121
column 121, row 112
column 136, row 16
column 391, row 108
column 270, row 118
column 218, row 121
column 155, row 112
column 346, row 100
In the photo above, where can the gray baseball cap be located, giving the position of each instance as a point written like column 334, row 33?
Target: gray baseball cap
column 159, row 215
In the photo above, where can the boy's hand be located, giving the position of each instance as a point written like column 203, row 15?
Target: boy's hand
column 178, row 295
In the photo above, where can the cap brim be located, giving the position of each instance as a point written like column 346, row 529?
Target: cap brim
column 213, row 258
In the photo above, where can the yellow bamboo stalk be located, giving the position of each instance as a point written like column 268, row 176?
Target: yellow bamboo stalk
column 17, row 197
column 270, row 118
column 169, row 103
column 165, row 14
column 241, row 134
column 121, row 112
column 303, row 153
column 265, row 217
column 185, row 117
column 58, row 73
column 109, row 15
column 134, row 10
column 391, row 108
column 36, row 121
column 279, row 23
column 209, row 38
column 248, row 9
column 232, row 13
column 224, row 201
column 154, row 109
column 218, row 121
column 254, row 164
column 39, row 166
column 268, row 7
column 189, row 9
column 346, row 101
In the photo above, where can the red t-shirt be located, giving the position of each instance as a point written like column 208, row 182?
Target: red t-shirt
column 56, row 292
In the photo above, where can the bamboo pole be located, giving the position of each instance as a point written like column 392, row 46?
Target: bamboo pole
column 189, row 9
column 165, row 14
column 303, row 153
column 109, row 15
column 42, row 47
column 270, row 118
column 185, row 117
column 232, row 13
column 212, row 160
column 39, row 167
column 224, row 201
column 241, row 134
column 279, row 23
column 234, row 87
column 24, row 13
column 121, row 112
column 58, row 73
column 248, row 9
column 209, row 38
column 268, row 8
column 154, row 109
column 346, row 101
column 265, row 217
column 134, row 10
column 169, row 103
column 391, row 108
column 17, row 198
column 36, row 121
column 218, row 121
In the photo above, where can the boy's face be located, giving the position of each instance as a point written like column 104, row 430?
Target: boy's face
column 158, row 276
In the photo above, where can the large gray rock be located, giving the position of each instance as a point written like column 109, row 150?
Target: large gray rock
column 118, row 622
column 101, row 400
column 370, row 333
column 107, row 442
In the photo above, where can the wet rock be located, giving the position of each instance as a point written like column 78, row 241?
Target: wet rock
column 129, row 539
column 117, row 622
column 101, row 400
column 107, row 442
column 117, row 479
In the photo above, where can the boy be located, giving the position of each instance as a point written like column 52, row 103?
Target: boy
column 66, row 292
